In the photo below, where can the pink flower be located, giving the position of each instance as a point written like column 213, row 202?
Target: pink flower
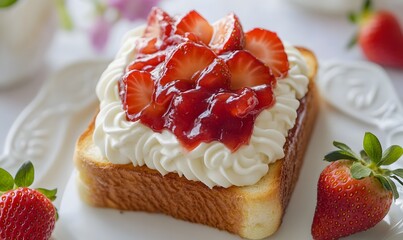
column 99, row 33
column 133, row 9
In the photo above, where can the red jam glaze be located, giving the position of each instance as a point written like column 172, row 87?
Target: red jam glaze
column 192, row 95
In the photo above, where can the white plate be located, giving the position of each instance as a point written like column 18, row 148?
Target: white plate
column 47, row 130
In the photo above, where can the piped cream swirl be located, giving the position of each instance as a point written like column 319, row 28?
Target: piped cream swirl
column 121, row 141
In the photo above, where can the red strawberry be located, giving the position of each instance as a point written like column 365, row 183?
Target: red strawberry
column 174, row 40
column 25, row 213
column 164, row 94
column 186, row 61
column 147, row 62
column 228, row 35
column 265, row 95
column 215, row 76
column 355, row 193
column 138, row 87
column 243, row 104
column 153, row 115
column 380, row 36
column 193, row 22
column 159, row 24
column 268, row 48
column 247, row 71
column 147, row 45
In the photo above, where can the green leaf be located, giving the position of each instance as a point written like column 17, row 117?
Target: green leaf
column 64, row 16
column 56, row 214
column 25, row 175
column 398, row 172
column 51, row 194
column 6, row 180
column 388, row 184
column 364, row 156
column 372, row 147
column 393, row 188
column 339, row 155
column 353, row 41
column 359, row 171
column 398, row 180
column 384, row 182
column 345, row 148
column 352, row 17
column 367, row 6
column 6, row 3
column 391, row 155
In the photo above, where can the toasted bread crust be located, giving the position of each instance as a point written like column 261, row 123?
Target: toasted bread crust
column 251, row 211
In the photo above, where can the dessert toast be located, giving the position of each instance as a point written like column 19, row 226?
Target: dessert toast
column 253, row 211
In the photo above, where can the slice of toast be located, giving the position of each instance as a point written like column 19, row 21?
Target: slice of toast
column 253, row 212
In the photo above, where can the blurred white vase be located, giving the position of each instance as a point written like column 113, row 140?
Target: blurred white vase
column 26, row 31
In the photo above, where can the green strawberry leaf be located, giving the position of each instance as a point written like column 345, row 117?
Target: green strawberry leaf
column 51, row 194
column 345, row 148
column 384, row 182
column 393, row 188
column 338, row 155
column 359, row 171
column 372, row 147
column 398, row 172
column 6, row 181
column 352, row 17
column 353, row 41
column 388, row 184
column 6, row 3
column 367, row 6
column 25, row 175
column 398, row 180
column 391, row 155
column 364, row 156
column 56, row 214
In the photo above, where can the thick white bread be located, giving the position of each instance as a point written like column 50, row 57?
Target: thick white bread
column 252, row 212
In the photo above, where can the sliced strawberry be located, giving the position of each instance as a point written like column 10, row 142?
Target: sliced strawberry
column 247, row 71
column 243, row 104
column 215, row 76
column 166, row 93
column 185, row 109
column 147, row 62
column 225, row 123
column 138, row 86
column 268, row 48
column 159, row 24
column 173, row 41
column 265, row 95
column 185, row 61
column 228, row 35
column 153, row 115
column 147, row 45
column 193, row 22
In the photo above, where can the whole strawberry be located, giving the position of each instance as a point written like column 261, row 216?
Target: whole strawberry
column 380, row 36
column 25, row 213
column 354, row 192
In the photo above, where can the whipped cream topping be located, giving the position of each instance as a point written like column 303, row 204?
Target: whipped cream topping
column 121, row 141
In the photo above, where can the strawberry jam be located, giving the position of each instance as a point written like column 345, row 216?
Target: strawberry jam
column 199, row 93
